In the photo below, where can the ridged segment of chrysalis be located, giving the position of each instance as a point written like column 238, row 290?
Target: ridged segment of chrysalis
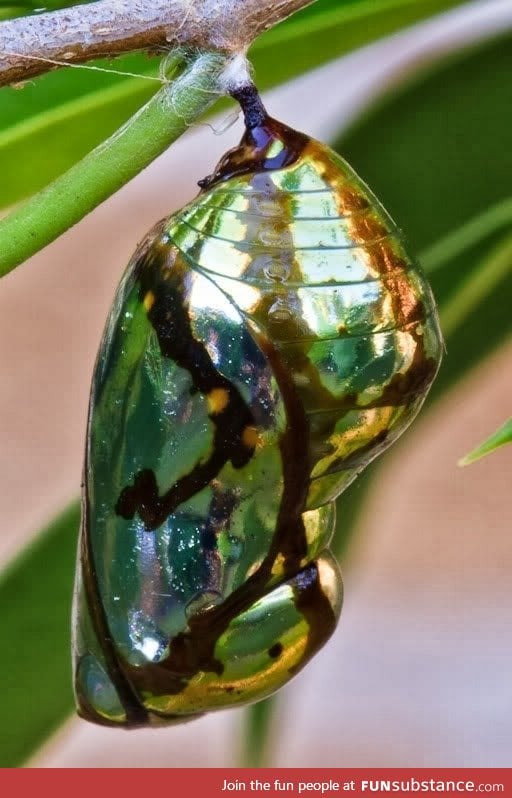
column 265, row 344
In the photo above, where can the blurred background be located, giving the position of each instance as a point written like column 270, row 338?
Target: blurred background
column 418, row 671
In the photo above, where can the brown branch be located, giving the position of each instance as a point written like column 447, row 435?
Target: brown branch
column 111, row 27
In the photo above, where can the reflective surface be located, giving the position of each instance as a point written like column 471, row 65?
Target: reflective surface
column 265, row 344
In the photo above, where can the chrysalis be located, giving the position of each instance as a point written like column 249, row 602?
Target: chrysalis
column 265, row 344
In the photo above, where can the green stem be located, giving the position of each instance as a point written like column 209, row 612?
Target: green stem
column 59, row 206
column 477, row 286
column 258, row 723
column 466, row 236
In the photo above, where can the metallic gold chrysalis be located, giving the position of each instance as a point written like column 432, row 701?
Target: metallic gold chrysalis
column 265, row 344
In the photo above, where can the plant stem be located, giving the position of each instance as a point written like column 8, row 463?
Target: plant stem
column 258, row 723
column 48, row 214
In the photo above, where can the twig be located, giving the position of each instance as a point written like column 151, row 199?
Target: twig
column 111, row 27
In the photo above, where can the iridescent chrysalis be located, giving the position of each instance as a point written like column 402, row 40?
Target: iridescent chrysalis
column 265, row 344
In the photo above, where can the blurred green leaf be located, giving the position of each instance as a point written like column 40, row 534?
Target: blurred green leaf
column 474, row 290
column 9, row 9
column 6, row 12
column 23, row 163
column 468, row 235
column 35, row 596
column 53, row 121
column 499, row 438
column 322, row 32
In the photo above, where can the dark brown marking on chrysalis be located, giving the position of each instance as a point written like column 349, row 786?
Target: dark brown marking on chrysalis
column 275, row 651
column 218, row 520
column 349, row 198
column 415, row 380
column 392, row 270
column 366, row 230
column 310, row 600
column 171, row 322
column 261, row 133
column 290, row 535
column 193, row 650
column 219, row 515
column 316, row 608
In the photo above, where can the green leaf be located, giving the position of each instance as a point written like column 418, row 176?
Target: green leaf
column 51, row 122
column 499, row 438
column 475, row 289
column 35, row 595
column 468, row 235
column 12, row 11
column 22, row 147
column 321, row 33
column 8, row 10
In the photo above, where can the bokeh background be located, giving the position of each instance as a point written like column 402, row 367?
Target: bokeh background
column 418, row 672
